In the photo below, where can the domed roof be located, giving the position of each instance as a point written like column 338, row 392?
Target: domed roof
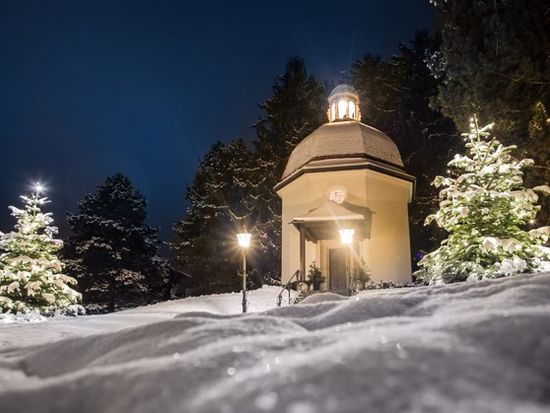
column 343, row 89
column 341, row 140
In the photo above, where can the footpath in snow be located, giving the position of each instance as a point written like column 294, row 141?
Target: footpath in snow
column 471, row 347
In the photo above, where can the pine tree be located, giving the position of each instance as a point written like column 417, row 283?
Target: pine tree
column 233, row 188
column 296, row 108
column 486, row 209
column 31, row 274
column 113, row 252
column 220, row 205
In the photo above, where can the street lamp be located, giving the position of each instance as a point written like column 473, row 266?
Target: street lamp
column 244, row 243
column 346, row 237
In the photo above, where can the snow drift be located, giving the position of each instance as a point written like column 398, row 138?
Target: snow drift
column 481, row 347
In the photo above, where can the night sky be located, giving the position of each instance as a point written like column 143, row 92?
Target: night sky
column 91, row 88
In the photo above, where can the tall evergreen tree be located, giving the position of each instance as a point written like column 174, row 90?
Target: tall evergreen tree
column 233, row 188
column 113, row 253
column 494, row 61
column 296, row 108
column 220, row 205
column 395, row 96
column 31, row 274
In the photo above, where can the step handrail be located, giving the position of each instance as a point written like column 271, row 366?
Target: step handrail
column 287, row 287
column 299, row 294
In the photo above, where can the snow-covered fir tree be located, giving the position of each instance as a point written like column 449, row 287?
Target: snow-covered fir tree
column 31, row 274
column 296, row 108
column 221, row 203
column 489, row 214
column 113, row 253
column 233, row 188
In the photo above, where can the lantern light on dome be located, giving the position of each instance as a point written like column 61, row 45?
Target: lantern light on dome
column 343, row 104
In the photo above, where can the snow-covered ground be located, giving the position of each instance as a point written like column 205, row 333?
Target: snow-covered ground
column 18, row 334
column 472, row 347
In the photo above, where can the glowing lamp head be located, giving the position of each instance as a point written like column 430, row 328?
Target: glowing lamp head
column 244, row 239
column 346, row 235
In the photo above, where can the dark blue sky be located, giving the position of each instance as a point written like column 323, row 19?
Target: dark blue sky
column 91, row 88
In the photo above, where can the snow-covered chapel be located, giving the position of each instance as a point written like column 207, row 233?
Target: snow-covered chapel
column 345, row 197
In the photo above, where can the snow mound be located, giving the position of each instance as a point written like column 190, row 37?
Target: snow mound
column 482, row 347
column 31, row 317
column 20, row 333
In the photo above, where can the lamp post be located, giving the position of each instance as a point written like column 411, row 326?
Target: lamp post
column 346, row 237
column 244, row 243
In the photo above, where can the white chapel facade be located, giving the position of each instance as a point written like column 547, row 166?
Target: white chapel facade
column 345, row 197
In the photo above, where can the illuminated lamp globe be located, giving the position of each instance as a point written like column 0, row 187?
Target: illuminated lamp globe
column 346, row 235
column 244, row 239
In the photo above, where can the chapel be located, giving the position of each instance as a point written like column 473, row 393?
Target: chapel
column 345, row 197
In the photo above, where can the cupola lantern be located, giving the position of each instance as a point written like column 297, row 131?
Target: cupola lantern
column 343, row 104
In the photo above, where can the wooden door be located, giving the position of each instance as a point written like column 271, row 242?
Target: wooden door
column 337, row 268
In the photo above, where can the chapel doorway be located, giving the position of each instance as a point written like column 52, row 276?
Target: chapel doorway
column 337, row 268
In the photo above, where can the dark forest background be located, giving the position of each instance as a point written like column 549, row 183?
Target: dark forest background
column 488, row 57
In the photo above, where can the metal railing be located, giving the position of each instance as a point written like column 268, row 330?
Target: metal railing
column 287, row 287
column 351, row 286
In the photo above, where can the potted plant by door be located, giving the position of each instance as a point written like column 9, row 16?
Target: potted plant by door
column 361, row 276
column 314, row 276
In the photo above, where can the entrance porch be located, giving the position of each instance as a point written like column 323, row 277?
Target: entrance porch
column 321, row 232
